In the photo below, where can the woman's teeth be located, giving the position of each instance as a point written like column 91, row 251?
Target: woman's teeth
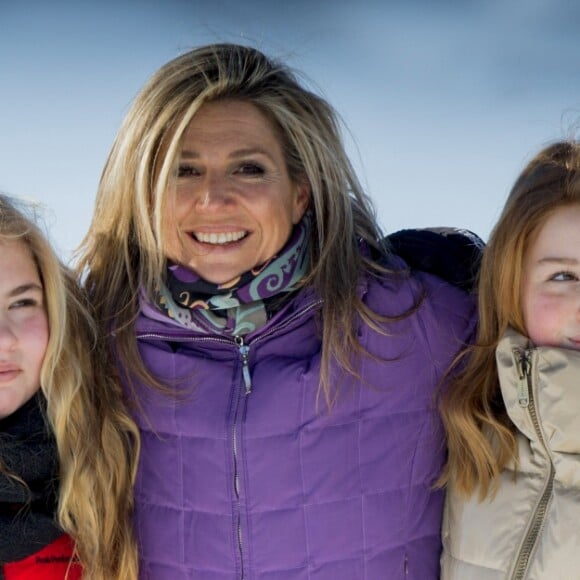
column 222, row 238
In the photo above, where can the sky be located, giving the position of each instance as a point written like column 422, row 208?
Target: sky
column 443, row 101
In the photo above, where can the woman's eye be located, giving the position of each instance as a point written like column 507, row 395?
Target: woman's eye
column 24, row 303
column 187, row 171
column 251, row 170
column 563, row 277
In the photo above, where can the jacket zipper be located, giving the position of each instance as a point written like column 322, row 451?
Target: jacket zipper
column 523, row 364
column 526, row 399
column 244, row 351
column 244, row 354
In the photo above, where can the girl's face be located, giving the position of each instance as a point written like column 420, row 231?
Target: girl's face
column 551, row 282
column 235, row 204
column 23, row 326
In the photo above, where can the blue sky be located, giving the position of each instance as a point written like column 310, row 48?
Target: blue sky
column 444, row 100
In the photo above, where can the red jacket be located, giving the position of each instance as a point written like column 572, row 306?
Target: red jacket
column 51, row 563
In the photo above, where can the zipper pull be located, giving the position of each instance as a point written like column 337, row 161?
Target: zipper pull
column 245, row 353
column 523, row 365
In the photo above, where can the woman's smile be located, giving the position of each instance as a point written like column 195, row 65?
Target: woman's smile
column 220, row 239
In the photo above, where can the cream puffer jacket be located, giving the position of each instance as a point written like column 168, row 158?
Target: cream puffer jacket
column 531, row 528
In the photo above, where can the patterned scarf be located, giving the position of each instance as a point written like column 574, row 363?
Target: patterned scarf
column 239, row 306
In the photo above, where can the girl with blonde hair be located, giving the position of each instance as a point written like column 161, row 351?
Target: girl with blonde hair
column 67, row 451
column 281, row 362
column 513, row 414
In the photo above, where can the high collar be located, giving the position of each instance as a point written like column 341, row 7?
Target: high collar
column 555, row 384
column 152, row 320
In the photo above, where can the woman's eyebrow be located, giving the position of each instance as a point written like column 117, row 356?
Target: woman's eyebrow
column 23, row 288
column 247, row 151
column 187, row 154
column 558, row 260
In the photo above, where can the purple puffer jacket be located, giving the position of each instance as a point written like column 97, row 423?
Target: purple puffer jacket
column 246, row 475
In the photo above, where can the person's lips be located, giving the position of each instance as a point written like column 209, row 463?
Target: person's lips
column 8, row 372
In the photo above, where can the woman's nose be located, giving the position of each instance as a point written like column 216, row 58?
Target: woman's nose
column 7, row 336
column 214, row 193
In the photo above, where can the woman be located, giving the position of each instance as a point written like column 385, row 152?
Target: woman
column 281, row 363
column 66, row 443
column 513, row 414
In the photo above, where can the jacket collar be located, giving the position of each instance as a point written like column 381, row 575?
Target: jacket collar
column 555, row 396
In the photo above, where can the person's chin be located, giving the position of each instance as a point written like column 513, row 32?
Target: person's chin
column 10, row 401
column 219, row 274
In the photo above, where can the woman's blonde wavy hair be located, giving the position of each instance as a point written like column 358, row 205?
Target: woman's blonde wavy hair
column 481, row 437
column 123, row 250
column 96, row 440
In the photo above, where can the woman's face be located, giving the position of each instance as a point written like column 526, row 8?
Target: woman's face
column 234, row 204
column 551, row 281
column 23, row 326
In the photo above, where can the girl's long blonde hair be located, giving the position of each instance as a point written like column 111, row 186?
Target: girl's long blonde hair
column 97, row 442
column 481, row 437
column 123, row 251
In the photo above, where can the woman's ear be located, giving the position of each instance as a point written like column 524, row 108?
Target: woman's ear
column 302, row 193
